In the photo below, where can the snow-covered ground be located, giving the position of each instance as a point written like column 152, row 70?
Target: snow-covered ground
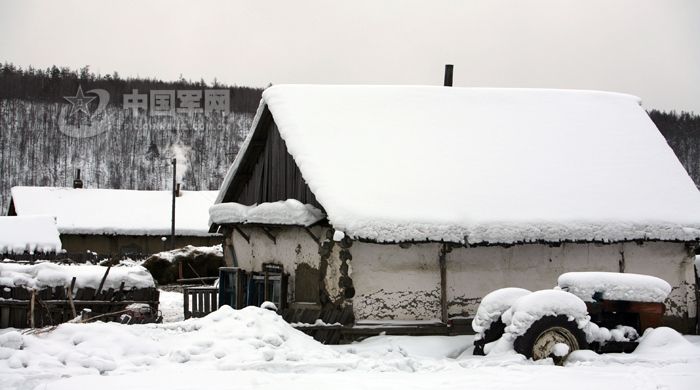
column 255, row 348
column 170, row 307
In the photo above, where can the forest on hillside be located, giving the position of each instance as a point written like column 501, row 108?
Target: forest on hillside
column 134, row 151
column 682, row 132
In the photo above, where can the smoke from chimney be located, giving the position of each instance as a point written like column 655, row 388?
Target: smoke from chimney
column 179, row 153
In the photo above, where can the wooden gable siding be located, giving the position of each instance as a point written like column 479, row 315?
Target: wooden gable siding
column 268, row 172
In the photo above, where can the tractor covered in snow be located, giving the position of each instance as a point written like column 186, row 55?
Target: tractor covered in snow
column 601, row 311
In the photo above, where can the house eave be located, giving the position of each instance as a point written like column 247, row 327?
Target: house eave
column 325, row 222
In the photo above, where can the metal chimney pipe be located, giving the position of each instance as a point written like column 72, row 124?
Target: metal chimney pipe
column 448, row 75
column 77, row 183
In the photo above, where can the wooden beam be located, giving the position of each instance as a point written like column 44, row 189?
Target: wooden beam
column 31, row 309
column 102, row 282
column 312, row 235
column 70, row 298
column 270, row 235
column 621, row 263
column 442, row 259
column 90, row 302
column 198, row 279
column 240, row 231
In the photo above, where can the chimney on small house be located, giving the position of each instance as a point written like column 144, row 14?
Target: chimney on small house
column 449, row 68
column 77, row 183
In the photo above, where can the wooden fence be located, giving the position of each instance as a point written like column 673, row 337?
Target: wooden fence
column 200, row 301
column 23, row 308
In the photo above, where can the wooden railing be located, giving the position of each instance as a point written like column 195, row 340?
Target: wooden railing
column 200, row 301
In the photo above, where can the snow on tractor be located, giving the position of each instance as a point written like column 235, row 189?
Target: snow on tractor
column 601, row 311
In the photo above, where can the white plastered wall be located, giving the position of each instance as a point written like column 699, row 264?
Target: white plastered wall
column 403, row 283
column 292, row 246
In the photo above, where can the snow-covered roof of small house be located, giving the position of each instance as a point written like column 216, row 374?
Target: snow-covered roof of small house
column 483, row 165
column 41, row 275
column 29, row 234
column 108, row 211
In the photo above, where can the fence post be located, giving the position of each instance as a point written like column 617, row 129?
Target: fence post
column 186, row 304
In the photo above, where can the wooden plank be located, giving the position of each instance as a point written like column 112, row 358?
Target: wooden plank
column 186, row 303
column 200, row 304
column 206, row 309
column 70, row 299
column 17, row 302
column 59, row 293
column 443, row 283
column 88, row 293
column 4, row 317
column 31, row 309
column 104, row 278
column 200, row 279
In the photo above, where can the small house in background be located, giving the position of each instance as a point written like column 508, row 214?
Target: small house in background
column 389, row 203
column 29, row 237
column 118, row 222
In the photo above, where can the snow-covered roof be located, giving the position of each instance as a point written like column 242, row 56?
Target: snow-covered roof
column 38, row 276
column 413, row 163
column 287, row 212
column 107, row 211
column 29, row 234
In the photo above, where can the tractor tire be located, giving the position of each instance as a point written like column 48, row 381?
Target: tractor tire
column 493, row 333
column 539, row 340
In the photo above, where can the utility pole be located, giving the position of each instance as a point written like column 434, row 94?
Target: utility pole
column 172, row 220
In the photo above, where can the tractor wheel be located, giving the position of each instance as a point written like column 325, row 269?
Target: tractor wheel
column 493, row 333
column 539, row 340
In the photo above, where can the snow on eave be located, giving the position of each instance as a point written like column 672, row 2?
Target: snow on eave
column 287, row 212
column 467, row 244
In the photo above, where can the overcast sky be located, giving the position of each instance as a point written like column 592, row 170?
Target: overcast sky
column 647, row 48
